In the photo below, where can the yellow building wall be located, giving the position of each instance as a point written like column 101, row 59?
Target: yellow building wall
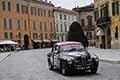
column 115, row 43
column 15, row 16
column 115, row 22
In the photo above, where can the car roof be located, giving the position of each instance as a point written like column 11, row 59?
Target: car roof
column 68, row 43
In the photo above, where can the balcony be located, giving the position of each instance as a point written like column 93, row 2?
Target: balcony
column 103, row 22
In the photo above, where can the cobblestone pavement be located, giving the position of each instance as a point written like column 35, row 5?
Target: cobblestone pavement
column 108, row 55
column 32, row 65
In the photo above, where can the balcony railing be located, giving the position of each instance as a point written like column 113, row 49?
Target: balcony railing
column 103, row 22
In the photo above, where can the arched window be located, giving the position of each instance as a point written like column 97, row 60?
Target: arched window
column 89, row 20
column 116, row 33
column 18, row 24
column 19, row 35
column 25, row 25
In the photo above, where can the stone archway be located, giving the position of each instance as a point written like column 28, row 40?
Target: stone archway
column 104, row 37
column 100, row 37
column 26, row 41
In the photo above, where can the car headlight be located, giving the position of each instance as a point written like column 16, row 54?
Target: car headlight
column 97, row 59
column 70, row 60
column 94, row 56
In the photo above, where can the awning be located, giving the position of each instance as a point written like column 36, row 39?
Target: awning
column 2, row 42
column 46, row 40
column 54, row 40
column 39, row 41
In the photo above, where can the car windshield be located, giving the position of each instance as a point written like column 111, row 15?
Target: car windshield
column 71, row 48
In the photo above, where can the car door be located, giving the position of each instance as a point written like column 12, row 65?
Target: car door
column 56, row 55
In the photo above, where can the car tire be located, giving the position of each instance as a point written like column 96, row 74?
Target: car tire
column 64, row 69
column 94, row 68
column 51, row 67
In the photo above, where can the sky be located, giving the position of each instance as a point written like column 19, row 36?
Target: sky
column 69, row 4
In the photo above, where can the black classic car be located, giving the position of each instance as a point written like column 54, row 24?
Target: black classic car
column 70, row 56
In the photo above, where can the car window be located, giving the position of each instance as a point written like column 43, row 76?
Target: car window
column 71, row 48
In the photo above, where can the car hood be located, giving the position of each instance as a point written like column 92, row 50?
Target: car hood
column 76, row 53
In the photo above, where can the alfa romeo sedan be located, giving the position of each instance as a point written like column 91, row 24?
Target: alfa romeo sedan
column 72, row 56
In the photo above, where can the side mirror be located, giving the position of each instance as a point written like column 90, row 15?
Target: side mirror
column 57, row 51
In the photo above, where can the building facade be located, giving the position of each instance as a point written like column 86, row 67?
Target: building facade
column 107, row 16
column 33, row 18
column 63, row 19
column 86, row 20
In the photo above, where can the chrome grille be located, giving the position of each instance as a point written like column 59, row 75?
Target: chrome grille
column 83, row 60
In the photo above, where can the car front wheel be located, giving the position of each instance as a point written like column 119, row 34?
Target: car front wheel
column 64, row 69
column 94, row 68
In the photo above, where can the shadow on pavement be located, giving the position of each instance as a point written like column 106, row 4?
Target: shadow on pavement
column 78, row 73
